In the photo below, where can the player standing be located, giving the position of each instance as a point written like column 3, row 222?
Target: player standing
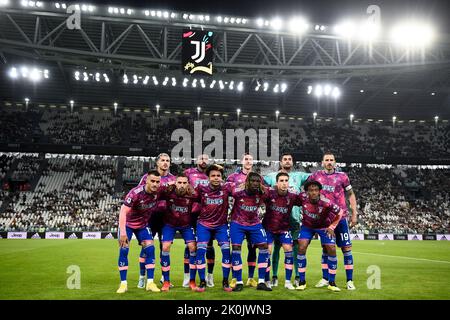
column 178, row 218
column 336, row 185
column 134, row 215
column 296, row 180
column 156, row 222
column 238, row 178
column 279, row 205
column 245, row 222
column 321, row 216
column 197, row 176
column 213, row 222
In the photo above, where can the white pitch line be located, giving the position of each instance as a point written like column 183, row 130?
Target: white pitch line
column 409, row 258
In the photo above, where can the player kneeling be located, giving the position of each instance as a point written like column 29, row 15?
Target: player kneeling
column 320, row 216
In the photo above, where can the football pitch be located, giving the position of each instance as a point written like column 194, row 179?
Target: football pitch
column 40, row 269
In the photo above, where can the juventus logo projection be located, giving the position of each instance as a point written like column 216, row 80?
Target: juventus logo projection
column 197, row 52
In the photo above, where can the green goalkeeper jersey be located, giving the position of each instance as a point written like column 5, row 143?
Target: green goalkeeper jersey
column 296, row 180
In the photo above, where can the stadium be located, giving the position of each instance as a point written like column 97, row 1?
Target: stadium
column 93, row 96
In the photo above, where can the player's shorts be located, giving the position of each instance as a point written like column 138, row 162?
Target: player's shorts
column 308, row 234
column 283, row 238
column 342, row 234
column 256, row 233
column 206, row 234
column 168, row 233
column 143, row 234
column 156, row 223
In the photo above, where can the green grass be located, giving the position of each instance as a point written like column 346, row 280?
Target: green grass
column 36, row 269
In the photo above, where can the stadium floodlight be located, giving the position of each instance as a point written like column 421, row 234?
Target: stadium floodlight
column 174, row 82
column 232, row 20
column 27, row 100
column 147, row 77
column 413, row 34
column 351, row 116
column 153, row 13
column 238, row 20
column 35, row 75
column 155, row 81
column 201, row 17
column 260, row 22
column 158, row 106
column 135, row 79
column 316, row 27
column 395, row 92
column 207, row 18
column 327, row 90
column 244, row 21
column 64, row 6
column 221, row 85
column 314, row 116
column 212, row 84
column 310, row 88
column 185, row 81
column 147, row 13
column 166, row 14
column 191, row 17
column 345, row 29
column 369, row 31
column 46, row 73
column 433, row 93
column 336, row 92
column 298, row 25
column 265, row 86
column 322, row 28
column 231, row 87
column 194, row 83
column 4, row 2
column 240, row 86
column 276, row 23
column 202, row 83
column 125, row 79
column 362, row 91
column 91, row 8
column 226, row 20
column 13, row 73
column 173, row 15
column 159, row 13
column 84, row 7
column 219, row 19
column 258, row 85
column 276, row 88
column 318, row 91
column 283, row 87
column 24, row 72
column 110, row 10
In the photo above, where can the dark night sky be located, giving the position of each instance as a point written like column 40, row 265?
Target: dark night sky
column 316, row 11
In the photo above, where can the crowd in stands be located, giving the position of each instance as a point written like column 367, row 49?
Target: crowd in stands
column 104, row 128
column 80, row 194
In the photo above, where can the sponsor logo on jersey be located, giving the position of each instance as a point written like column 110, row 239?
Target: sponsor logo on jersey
column 279, row 209
column 210, row 201
column 248, row 208
column 311, row 215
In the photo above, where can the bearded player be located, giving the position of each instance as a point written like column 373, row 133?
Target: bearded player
column 197, row 176
column 336, row 185
column 213, row 222
column 178, row 218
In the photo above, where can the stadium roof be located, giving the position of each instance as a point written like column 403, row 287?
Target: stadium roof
column 374, row 80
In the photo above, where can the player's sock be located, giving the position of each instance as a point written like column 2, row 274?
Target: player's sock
column 263, row 258
column 288, row 264
column 348, row 264
column 324, row 263
column 226, row 259
column 267, row 276
column 332, row 267
column 200, row 260
column 165, row 265
column 237, row 265
column 142, row 262
column 275, row 258
column 251, row 260
column 186, row 259
column 150, row 261
column 295, row 253
column 301, row 258
column 123, row 263
column 192, row 266
column 210, row 257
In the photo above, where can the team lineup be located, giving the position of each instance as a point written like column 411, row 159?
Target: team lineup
column 284, row 209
